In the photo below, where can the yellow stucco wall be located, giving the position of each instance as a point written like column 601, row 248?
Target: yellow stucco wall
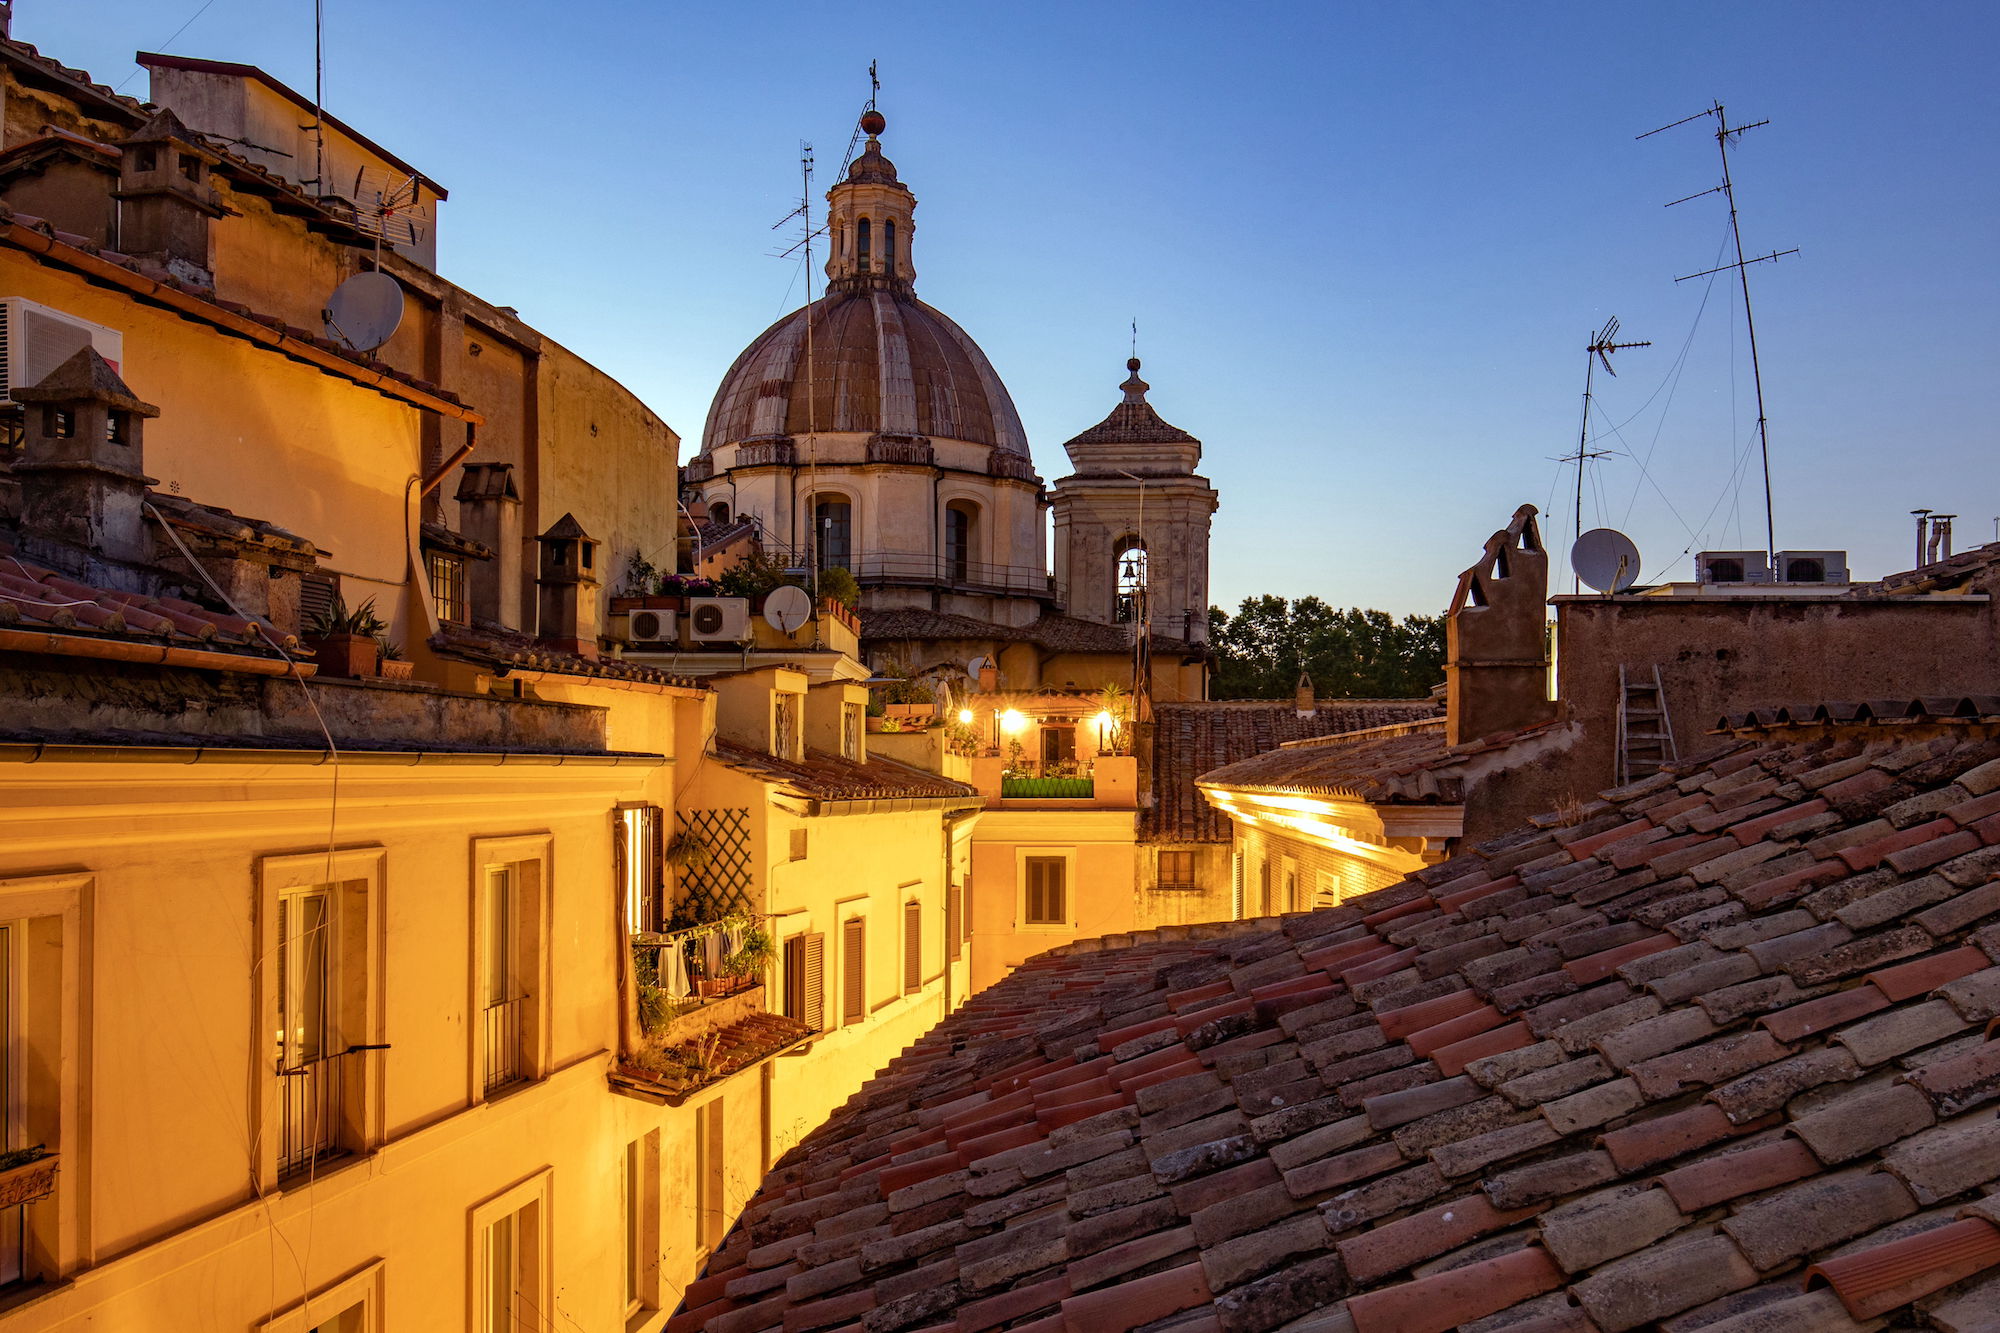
column 1101, row 882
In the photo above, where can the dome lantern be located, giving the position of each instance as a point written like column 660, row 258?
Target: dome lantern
column 870, row 220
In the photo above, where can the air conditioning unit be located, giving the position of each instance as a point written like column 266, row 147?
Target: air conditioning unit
column 1812, row 567
column 719, row 619
column 651, row 629
column 35, row 339
column 1733, row 567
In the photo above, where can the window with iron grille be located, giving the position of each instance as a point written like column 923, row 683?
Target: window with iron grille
column 913, row 946
column 447, row 573
column 853, row 970
column 308, row 1064
column 504, row 995
column 785, row 726
column 1176, row 870
column 1044, row 903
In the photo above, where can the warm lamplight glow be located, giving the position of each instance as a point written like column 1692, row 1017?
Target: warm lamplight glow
column 965, row 716
column 1103, row 721
column 1011, row 721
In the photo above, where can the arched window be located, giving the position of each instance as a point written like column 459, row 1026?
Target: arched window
column 1128, row 572
column 961, row 532
column 718, row 513
column 861, row 246
column 889, row 247
column 833, row 530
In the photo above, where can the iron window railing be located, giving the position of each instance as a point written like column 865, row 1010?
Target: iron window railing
column 309, row 1114
column 503, row 1024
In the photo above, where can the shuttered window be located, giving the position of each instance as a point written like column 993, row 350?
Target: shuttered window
column 1045, row 905
column 1264, row 888
column 805, row 980
column 954, row 914
column 1236, row 886
column 853, row 970
column 913, row 947
column 1176, row 870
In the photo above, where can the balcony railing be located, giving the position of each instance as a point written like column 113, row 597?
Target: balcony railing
column 502, row 1026
column 923, row 569
column 309, row 1114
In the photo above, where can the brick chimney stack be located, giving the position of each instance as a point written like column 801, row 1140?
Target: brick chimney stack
column 1496, row 637
column 1303, row 698
column 568, row 588
column 82, row 460
column 489, row 510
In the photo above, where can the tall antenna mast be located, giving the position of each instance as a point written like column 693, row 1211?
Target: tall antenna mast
column 1602, row 344
column 1725, row 135
column 319, row 105
column 812, row 402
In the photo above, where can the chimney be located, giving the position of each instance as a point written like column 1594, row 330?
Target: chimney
column 6, row 19
column 1302, row 696
column 989, row 678
column 166, row 199
column 568, row 588
column 489, row 512
column 82, row 460
column 1496, row 637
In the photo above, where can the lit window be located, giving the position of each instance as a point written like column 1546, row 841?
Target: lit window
column 447, row 574
column 638, row 853
column 1045, row 903
column 308, row 1067
column 504, row 999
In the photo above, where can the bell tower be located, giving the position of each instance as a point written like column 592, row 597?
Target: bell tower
column 870, row 220
column 1135, row 515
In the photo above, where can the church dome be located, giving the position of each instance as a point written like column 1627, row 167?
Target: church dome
column 883, row 362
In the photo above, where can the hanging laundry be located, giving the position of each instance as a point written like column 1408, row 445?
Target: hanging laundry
column 674, row 971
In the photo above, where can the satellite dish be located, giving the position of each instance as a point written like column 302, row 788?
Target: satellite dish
column 787, row 608
column 977, row 665
column 1606, row 559
column 365, row 311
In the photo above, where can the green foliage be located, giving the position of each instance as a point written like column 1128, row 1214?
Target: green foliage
column 840, row 585
column 641, row 577
column 362, row 620
column 1262, row 649
column 753, row 577
column 752, row 955
column 391, row 650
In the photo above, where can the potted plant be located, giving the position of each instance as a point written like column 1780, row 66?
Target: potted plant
column 26, row 1174
column 394, row 666
column 344, row 641
column 753, row 954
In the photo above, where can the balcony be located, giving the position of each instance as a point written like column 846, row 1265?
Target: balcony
column 923, row 569
column 1110, row 782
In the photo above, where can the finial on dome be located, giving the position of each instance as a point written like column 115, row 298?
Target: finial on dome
column 872, row 122
column 1134, row 387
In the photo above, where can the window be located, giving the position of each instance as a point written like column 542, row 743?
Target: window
column 861, row 246
column 833, row 529
column 1058, row 746
column 799, row 841
column 44, row 956
column 718, row 514
column 1328, row 891
column 1236, row 886
column 58, row 423
column 640, row 1194
column 639, row 850
column 1176, row 870
column 513, row 1270
column 853, row 970
column 1291, row 899
column 447, row 575
column 146, row 159
column 1264, row 887
column 352, row 1305
column 805, row 980
column 118, row 427
column 509, row 935
column 785, row 726
column 309, row 1066
column 960, row 522
column 710, row 1207
column 889, row 246
column 1045, row 899
column 850, row 732
column 1128, row 563
column 191, row 167
column 913, row 947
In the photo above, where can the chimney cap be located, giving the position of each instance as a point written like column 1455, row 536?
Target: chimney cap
column 86, row 377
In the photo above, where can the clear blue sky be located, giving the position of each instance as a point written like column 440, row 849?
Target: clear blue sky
column 1365, row 244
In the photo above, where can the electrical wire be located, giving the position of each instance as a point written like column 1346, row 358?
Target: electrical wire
column 169, row 42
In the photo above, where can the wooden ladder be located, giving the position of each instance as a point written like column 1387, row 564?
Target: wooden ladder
column 1645, row 729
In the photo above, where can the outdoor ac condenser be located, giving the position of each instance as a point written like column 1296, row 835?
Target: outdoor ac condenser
column 1733, row 567
column 718, row 619
column 35, row 339
column 1812, row 566
column 652, row 629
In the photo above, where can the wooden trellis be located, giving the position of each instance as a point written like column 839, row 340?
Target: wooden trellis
column 721, row 883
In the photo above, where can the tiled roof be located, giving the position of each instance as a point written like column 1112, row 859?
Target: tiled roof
column 825, row 777
column 1405, row 763
column 1191, row 739
column 1952, row 573
column 33, row 597
column 1709, row 1052
column 511, row 650
column 1959, row 710
column 1058, row 634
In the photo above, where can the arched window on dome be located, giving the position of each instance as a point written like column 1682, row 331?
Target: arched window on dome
column 889, row 246
column 718, row 513
column 1128, row 571
column 833, row 531
column 961, row 536
column 861, row 246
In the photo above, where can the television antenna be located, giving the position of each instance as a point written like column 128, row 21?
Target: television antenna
column 1602, row 344
column 365, row 311
column 1726, row 135
column 1606, row 559
column 387, row 207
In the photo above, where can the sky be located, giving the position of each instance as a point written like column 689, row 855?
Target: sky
column 1366, row 245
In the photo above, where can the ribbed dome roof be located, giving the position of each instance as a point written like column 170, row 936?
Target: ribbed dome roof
column 883, row 362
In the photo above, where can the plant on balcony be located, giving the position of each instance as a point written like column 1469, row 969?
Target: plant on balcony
column 889, row 724
column 753, row 954
column 344, row 641
column 641, row 577
column 1114, row 700
column 840, row 585
column 755, row 576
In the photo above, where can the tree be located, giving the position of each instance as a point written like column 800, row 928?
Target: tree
column 1261, row 651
